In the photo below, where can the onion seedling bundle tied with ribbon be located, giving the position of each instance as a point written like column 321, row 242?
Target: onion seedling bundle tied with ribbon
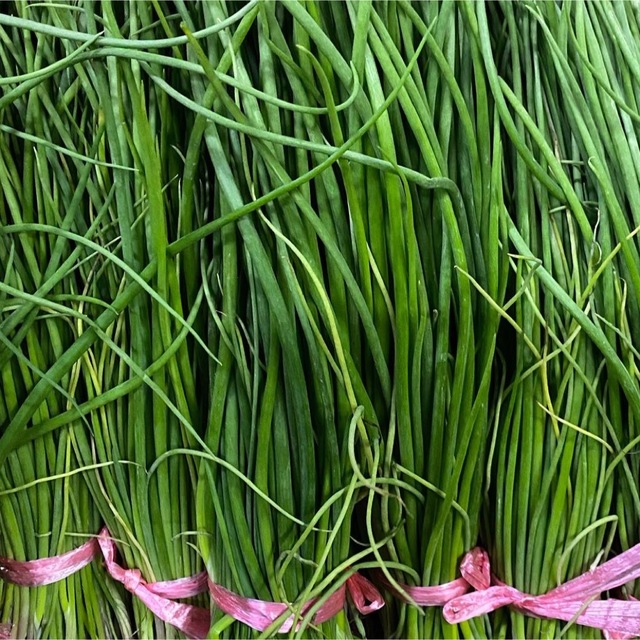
column 319, row 319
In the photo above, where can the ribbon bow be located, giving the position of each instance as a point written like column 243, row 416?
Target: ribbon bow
column 569, row 602
column 260, row 614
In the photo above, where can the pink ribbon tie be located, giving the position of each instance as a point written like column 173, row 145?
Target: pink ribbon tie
column 476, row 573
column 364, row 594
column 260, row 614
column 38, row 573
column 571, row 601
column 192, row 621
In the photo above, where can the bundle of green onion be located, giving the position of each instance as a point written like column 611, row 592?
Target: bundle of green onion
column 563, row 482
column 106, row 362
column 49, row 292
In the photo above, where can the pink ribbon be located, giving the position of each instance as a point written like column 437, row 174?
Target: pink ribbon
column 260, row 615
column 159, row 597
column 37, row 573
column 476, row 573
column 192, row 621
column 569, row 601
column 616, row 635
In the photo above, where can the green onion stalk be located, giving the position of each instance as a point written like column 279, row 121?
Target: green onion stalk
column 156, row 340
column 600, row 64
column 115, row 388
column 47, row 286
column 435, row 245
column 288, row 412
column 376, row 258
column 551, row 501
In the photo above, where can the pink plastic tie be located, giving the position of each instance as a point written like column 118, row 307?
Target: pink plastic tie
column 476, row 573
column 570, row 601
column 260, row 614
column 615, row 635
column 192, row 621
column 364, row 594
column 38, row 573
